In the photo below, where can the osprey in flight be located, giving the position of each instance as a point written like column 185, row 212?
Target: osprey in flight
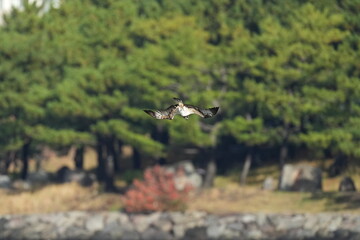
column 183, row 109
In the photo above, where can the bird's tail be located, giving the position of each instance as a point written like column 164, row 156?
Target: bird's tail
column 214, row 110
column 209, row 112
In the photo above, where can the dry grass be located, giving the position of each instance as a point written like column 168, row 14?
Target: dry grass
column 54, row 163
column 235, row 198
column 226, row 197
column 55, row 198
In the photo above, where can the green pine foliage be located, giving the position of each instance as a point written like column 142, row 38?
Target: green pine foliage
column 283, row 73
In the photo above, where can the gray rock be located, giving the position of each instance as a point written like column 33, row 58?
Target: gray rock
column 304, row 233
column 5, row 181
column 142, row 222
column 3, row 227
column 38, row 178
column 95, row 223
column 334, row 224
column 21, row 185
column 190, row 175
column 152, row 233
column 302, row 178
column 288, row 223
column 116, row 233
column 310, row 222
column 323, row 220
column 198, row 233
column 115, row 217
column 133, row 235
column 16, row 222
column 196, row 214
column 65, row 174
column 32, row 219
column 178, row 217
column 65, row 221
column 197, row 225
column 268, row 184
column 261, row 219
column 247, row 218
column 347, row 185
column 162, row 224
column 100, row 236
column 342, row 234
column 228, row 219
column 76, row 233
column 238, row 226
column 231, row 234
column 48, row 232
column 211, row 219
column 255, row 234
column 111, row 226
column 28, row 232
column 179, row 231
column 215, row 230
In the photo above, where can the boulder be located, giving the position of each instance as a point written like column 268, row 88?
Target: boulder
column 185, row 173
column 21, row 185
column 38, row 178
column 301, row 178
column 5, row 181
column 61, row 174
column 347, row 185
column 65, row 174
column 268, row 183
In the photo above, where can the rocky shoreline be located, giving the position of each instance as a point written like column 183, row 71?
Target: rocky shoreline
column 176, row 225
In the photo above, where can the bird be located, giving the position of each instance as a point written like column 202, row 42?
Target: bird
column 182, row 109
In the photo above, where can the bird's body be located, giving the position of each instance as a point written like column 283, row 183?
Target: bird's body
column 182, row 109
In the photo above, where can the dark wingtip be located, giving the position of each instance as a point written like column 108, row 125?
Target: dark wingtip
column 149, row 112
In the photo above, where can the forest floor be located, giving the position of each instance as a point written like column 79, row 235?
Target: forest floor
column 227, row 196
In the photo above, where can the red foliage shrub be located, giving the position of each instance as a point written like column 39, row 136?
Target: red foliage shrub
column 157, row 192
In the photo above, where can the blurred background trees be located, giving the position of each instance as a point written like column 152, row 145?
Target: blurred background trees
column 285, row 75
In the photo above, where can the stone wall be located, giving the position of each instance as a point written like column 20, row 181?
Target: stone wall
column 175, row 225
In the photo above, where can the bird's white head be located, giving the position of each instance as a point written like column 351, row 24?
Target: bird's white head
column 178, row 101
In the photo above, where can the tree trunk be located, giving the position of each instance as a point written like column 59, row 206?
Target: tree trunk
column 100, row 158
column 210, row 170
column 3, row 168
column 25, row 160
column 105, row 171
column 159, row 133
column 284, row 147
column 109, row 178
column 79, row 158
column 114, row 148
column 246, row 168
column 136, row 159
column 5, row 163
column 110, row 165
column 283, row 154
column 38, row 163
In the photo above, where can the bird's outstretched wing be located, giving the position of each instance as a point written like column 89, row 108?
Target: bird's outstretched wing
column 205, row 113
column 168, row 113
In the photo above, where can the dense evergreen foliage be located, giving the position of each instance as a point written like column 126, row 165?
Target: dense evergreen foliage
column 284, row 73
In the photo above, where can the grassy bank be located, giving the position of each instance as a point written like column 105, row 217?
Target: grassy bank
column 227, row 196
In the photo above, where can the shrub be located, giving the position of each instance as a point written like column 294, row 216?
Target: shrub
column 157, row 192
column 129, row 175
